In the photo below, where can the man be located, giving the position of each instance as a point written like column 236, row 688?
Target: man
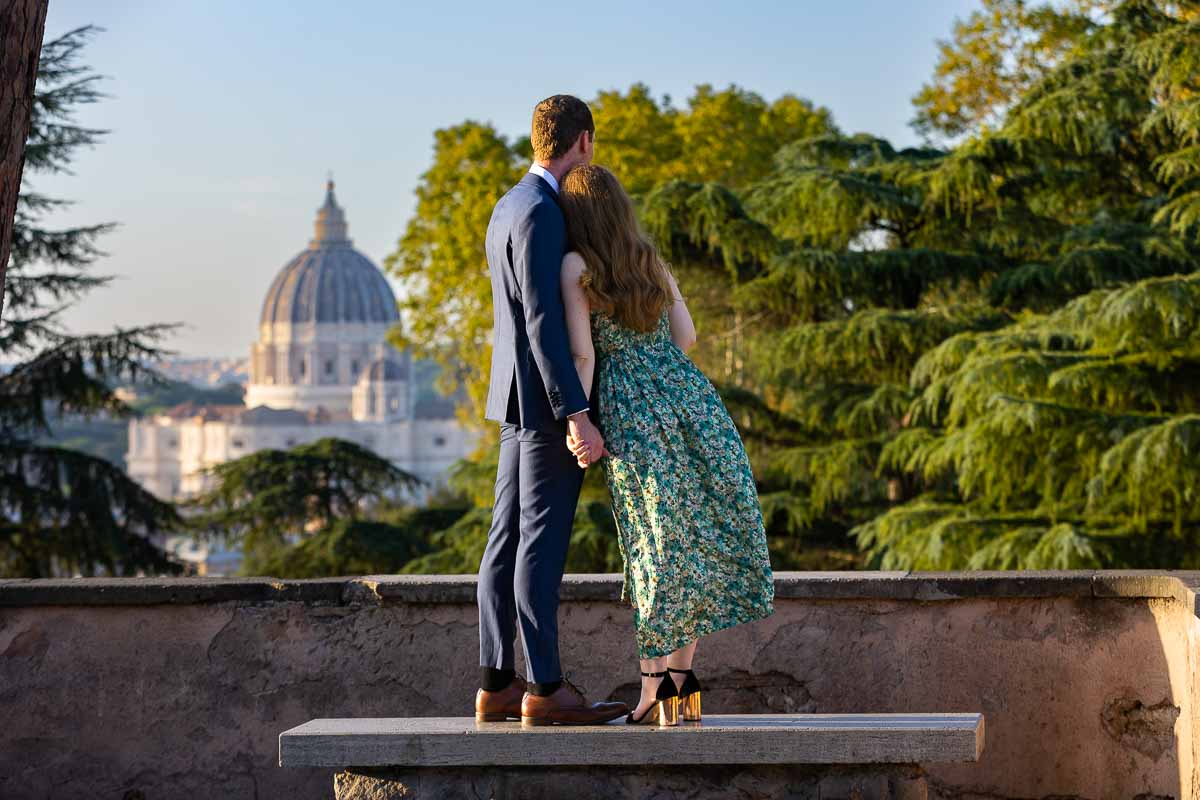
column 536, row 396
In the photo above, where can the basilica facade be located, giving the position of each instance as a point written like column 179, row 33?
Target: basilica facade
column 322, row 366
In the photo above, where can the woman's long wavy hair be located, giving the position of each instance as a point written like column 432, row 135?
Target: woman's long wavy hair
column 625, row 277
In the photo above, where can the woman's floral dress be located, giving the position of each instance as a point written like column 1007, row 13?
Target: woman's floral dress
column 691, row 528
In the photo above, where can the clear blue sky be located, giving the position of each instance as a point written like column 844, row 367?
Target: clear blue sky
column 226, row 114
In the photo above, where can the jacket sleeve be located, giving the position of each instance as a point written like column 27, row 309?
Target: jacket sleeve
column 537, row 262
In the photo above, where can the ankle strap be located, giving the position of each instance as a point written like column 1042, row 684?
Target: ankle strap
column 654, row 674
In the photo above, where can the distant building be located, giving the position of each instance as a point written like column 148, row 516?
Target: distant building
column 321, row 367
column 205, row 372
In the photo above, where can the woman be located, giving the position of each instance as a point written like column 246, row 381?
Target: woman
column 690, row 525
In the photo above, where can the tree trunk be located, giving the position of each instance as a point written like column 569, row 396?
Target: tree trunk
column 22, row 23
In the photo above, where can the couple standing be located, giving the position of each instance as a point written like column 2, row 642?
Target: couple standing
column 580, row 294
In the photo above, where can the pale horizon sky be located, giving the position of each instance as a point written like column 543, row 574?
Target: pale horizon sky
column 226, row 116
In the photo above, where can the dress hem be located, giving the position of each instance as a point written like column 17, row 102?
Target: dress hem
column 706, row 628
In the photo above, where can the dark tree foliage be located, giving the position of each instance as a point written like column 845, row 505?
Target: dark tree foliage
column 976, row 355
column 305, row 511
column 983, row 356
column 360, row 546
column 66, row 512
column 459, row 547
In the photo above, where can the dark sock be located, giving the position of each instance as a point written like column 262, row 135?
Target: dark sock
column 494, row 680
column 544, row 689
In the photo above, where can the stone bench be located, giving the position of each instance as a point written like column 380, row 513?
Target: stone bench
column 818, row 756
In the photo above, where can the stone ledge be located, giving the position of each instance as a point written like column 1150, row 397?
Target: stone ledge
column 721, row 739
column 160, row 591
column 1182, row 586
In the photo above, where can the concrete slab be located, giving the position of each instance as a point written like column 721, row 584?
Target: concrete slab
column 720, row 739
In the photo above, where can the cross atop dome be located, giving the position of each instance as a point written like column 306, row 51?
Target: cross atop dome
column 330, row 228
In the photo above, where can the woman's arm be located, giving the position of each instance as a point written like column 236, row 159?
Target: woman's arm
column 579, row 322
column 683, row 330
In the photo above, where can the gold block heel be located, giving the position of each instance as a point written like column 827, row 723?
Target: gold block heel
column 689, row 695
column 665, row 709
column 668, row 712
column 691, row 707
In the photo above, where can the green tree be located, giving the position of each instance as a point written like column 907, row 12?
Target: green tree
column 926, row 386
column 637, row 137
column 835, row 256
column 66, row 512
column 729, row 136
column 440, row 260
column 360, row 546
column 304, row 511
column 442, row 263
column 459, row 548
column 996, row 54
column 937, row 350
column 1064, row 440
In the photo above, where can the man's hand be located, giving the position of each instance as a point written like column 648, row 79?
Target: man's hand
column 577, row 449
column 584, row 439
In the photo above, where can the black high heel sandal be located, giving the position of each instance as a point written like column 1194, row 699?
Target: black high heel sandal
column 689, row 695
column 665, row 708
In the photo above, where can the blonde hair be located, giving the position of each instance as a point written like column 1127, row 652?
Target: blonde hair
column 625, row 277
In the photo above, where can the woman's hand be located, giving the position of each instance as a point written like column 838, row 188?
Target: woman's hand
column 582, row 452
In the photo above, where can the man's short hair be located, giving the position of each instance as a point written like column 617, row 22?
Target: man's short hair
column 557, row 123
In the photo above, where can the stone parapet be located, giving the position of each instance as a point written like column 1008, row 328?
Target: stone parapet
column 178, row 688
column 457, row 589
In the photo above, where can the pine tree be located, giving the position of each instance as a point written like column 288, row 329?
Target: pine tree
column 66, row 512
column 1065, row 439
column 832, row 254
column 923, row 383
column 303, row 512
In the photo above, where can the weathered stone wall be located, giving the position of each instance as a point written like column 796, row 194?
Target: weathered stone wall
column 179, row 688
column 759, row 782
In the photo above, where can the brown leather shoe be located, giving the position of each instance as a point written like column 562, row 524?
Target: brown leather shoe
column 501, row 705
column 567, row 706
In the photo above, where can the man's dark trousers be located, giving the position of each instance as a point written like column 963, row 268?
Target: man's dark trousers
column 537, row 488
column 534, row 388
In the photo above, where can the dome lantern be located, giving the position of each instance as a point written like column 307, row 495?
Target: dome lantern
column 329, row 281
column 330, row 229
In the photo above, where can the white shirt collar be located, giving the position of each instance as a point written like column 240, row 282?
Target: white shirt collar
column 538, row 169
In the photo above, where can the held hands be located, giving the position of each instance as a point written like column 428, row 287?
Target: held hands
column 584, row 440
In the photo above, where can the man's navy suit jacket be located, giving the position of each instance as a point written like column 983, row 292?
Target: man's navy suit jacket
column 533, row 381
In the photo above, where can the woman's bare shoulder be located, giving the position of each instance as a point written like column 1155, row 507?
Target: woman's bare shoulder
column 573, row 266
